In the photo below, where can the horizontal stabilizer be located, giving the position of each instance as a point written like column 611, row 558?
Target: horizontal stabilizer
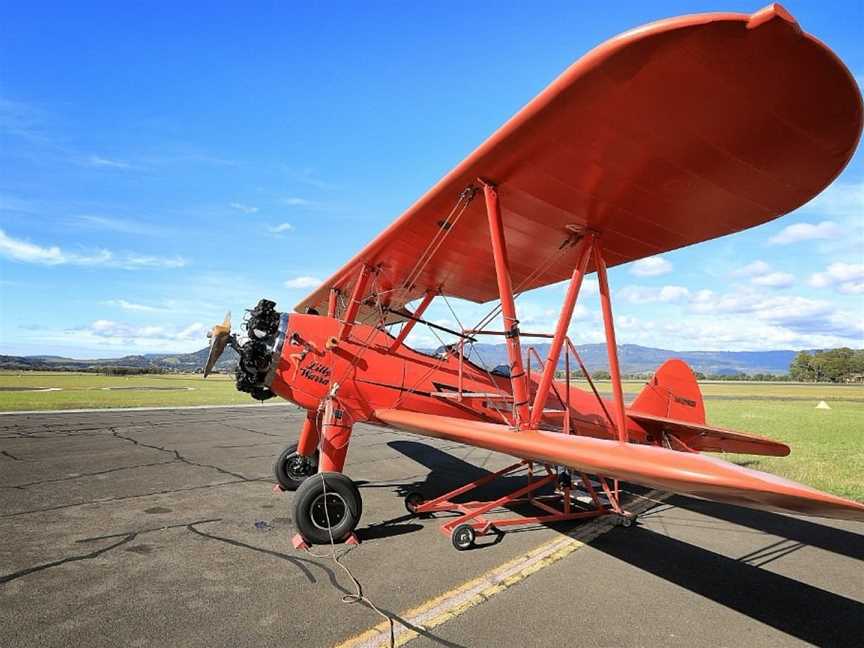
column 679, row 472
column 706, row 438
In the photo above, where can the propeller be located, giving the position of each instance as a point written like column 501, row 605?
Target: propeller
column 220, row 336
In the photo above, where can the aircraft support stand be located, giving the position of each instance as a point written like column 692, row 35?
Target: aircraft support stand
column 555, row 507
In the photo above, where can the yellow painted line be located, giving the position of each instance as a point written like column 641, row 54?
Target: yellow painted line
column 454, row 602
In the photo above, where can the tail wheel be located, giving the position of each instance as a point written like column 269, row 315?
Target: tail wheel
column 327, row 504
column 292, row 469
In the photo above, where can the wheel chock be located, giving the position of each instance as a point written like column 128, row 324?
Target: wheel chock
column 299, row 543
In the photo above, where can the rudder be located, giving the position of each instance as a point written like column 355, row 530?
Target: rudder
column 672, row 393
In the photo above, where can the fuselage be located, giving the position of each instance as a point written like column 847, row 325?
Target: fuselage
column 369, row 370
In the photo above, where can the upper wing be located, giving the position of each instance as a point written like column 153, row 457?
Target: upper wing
column 667, row 135
column 708, row 438
column 679, row 472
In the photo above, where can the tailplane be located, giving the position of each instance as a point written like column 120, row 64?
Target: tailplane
column 671, row 410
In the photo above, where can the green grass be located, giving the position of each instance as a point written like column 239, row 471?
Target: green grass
column 827, row 445
column 754, row 390
column 82, row 390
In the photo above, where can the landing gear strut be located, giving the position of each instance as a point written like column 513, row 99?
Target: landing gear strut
column 292, row 469
column 327, row 506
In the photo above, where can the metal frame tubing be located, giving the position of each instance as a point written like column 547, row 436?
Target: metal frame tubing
column 308, row 440
column 333, row 302
column 473, row 512
column 582, row 257
column 611, row 345
column 417, row 314
column 518, row 379
column 356, row 300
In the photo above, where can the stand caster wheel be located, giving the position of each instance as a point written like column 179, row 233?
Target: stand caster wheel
column 463, row 537
column 412, row 501
column 292, row 469
column 626, row 521
column 328, row 504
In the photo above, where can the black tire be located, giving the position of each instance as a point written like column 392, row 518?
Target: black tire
column 463, row 537
column 412, row 501
column 292, row 469
column 342, row 506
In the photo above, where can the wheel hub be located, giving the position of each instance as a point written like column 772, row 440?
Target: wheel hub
column 330, row 507
column 298, row 467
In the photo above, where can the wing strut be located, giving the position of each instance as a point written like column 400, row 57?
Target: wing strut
column 415, row 317
column 356, row 301
column 583, row 254
column 611, row 345
column 518, row 378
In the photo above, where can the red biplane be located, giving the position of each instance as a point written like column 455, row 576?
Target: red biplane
column 674, row 133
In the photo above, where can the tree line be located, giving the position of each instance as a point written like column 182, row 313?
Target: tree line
column 841, row 365
column 831, row 365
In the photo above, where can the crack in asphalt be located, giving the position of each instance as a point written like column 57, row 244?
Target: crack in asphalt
column 297, row 562
column 63, row 561
column 108, row 500
column 80, row 475
column 180, row 457
column 126, row 537
column 6, row 453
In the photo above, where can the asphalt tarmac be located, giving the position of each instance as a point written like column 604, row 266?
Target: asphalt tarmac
column 161, row 528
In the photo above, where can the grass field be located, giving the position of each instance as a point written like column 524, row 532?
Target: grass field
column 83, row 390
column 827, row 445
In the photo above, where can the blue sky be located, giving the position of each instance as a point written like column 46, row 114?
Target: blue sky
column 161, row 164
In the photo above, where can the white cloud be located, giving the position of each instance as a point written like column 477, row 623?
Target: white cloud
column 774, row 280
column 281, row 228
column 26, row 252
column 806, row 232
column 752, row 269
column 303, row 282
column 97, row 161
column 842, row 200
column 142, row 334
column 651, row 267
column 648, row 294
column 122, row 225
column 140, row 261
column 18, row 250
column 761, row 274
column 131, row 306
column 847, row 277
column 246, row 209
column 294, row 201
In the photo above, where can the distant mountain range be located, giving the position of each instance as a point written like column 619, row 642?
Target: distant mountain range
column 633, row 358
column 180, row 362
column 639, row 359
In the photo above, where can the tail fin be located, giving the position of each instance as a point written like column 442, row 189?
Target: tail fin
column 671, row 410
column 672, row 393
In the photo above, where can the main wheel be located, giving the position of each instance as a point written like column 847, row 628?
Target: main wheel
column 292, row 469
column 327, row 504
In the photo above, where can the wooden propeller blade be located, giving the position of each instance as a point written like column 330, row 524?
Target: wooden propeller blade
column 219, row 336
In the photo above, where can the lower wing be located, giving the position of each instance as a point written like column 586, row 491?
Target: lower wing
column 680, row 472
